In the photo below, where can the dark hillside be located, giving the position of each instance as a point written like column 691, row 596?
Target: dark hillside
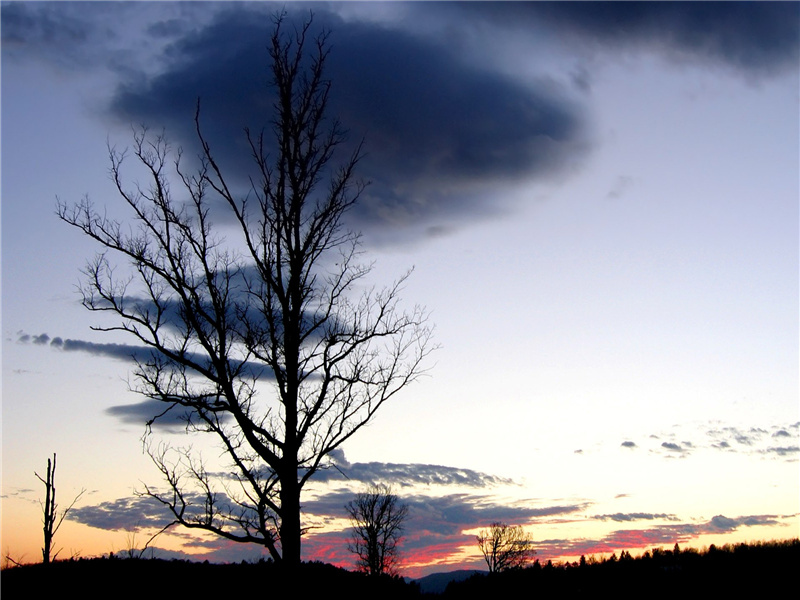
column 739, row 570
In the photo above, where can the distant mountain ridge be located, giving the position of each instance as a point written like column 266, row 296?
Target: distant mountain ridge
column 435, row 583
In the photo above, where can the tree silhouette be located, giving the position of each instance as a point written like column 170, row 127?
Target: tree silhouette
column 377, row 518
column 505, row 546
column 260, row 340
column 51, row 518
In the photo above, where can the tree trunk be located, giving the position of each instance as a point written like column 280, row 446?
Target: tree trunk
column 49, row 510
column 290, row 520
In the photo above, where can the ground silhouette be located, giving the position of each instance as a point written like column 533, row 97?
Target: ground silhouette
column 760, row 569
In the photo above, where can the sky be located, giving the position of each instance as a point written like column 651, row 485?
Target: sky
column 600, row 204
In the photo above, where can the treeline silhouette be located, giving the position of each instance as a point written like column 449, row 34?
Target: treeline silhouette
column 756, row 568
column 738, row 569
column 145, row 579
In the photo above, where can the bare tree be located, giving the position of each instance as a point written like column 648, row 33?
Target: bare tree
column 262, row 342
column 377, row 516
column 505, row 546
column 51, row 518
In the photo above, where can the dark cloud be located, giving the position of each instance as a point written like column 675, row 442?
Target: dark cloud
column 628, row 444
column 439, row 132
column 753, row 37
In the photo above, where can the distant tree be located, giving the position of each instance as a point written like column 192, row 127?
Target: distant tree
column 505, row 546
column 52, row 519
column 255, row 331
column 377, row 516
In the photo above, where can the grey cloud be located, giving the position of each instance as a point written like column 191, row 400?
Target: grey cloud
column 79, row 36
column 781, row 433
column 434, row 515
column 758, row 520
column 723, row 523
column 124, row 352
column 40, row 27
column 628, row 444
column 672, row 447
column 129, row 353
column 141, row 512
column 621, row 185
column 122, row 514
column 119, row 351
column 406, row 474
column 451, row 513
column 440, row 520
column 783, row 450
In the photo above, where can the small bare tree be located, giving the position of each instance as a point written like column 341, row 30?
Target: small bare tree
column 259, row 337
column 377, row 516
column 52, row 519
column 505, row 546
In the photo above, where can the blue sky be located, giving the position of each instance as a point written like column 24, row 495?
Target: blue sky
column 600, row 202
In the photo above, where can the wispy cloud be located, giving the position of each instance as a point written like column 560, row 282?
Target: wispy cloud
column 658, row 535
column 781, row 441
